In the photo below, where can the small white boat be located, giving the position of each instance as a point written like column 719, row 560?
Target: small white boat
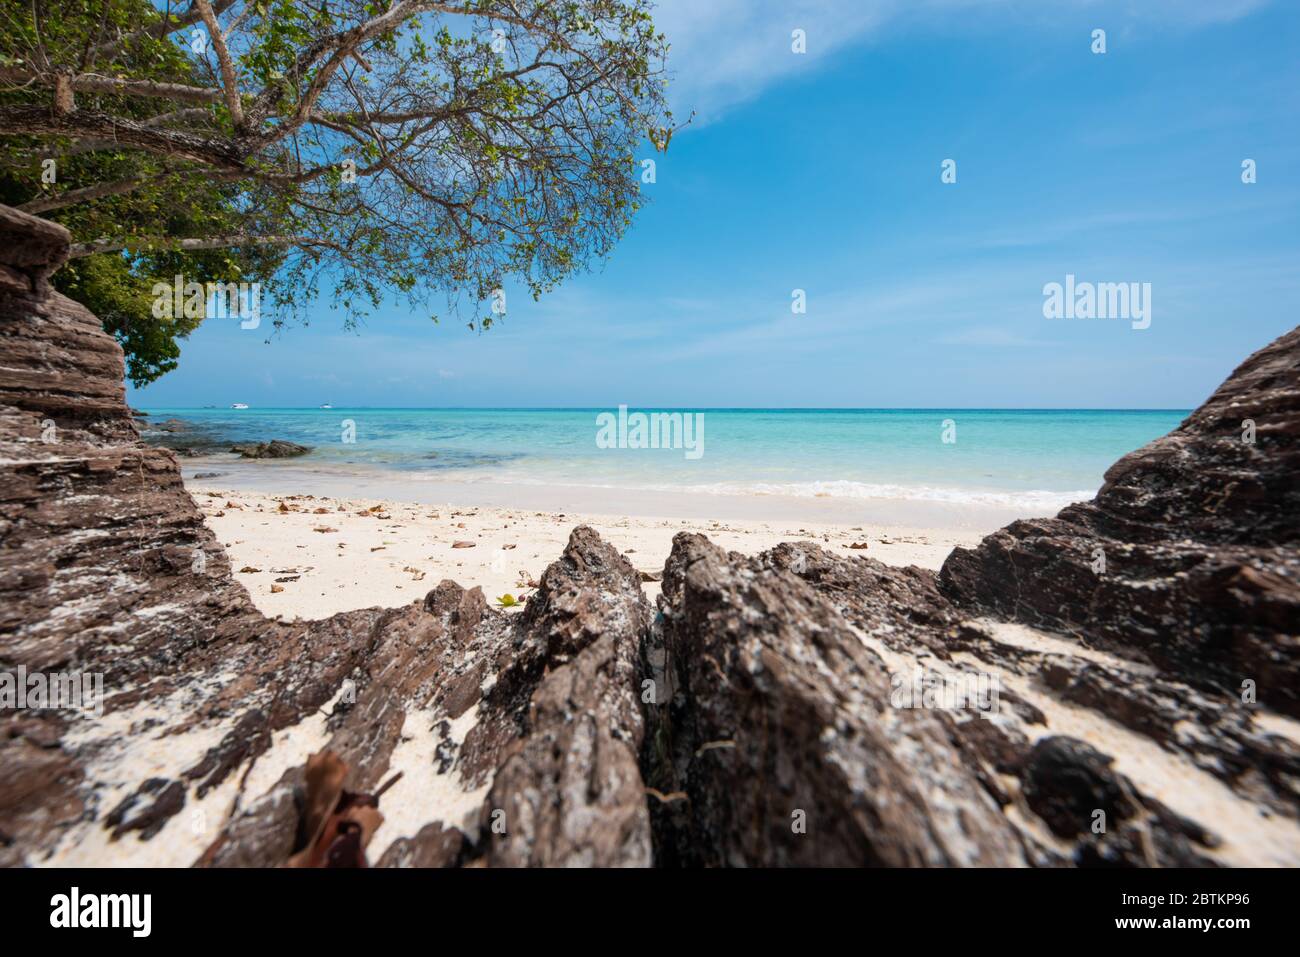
column 327, row 406
column 238, row 405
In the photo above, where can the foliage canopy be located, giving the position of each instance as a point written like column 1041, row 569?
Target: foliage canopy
column 373, row 146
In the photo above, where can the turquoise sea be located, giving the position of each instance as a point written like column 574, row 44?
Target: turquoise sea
column 1024, row 457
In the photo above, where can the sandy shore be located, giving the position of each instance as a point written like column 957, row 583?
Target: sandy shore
column 310, row 556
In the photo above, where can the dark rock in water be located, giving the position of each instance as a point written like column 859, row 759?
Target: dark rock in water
column 795, row 707
column 186, row 439
column 208, row 475
column 275, row 449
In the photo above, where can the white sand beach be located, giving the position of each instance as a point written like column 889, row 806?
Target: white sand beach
column 310, row 554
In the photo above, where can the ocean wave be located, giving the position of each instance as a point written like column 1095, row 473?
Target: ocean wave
column 843, row 488
column 1033, row 499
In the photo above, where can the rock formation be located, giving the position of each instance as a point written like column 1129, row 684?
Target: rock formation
column 1115, row 686
column 275, row 449
column 1187, row 557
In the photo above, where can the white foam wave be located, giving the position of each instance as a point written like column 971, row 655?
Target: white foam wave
column 1037, row 500
column 843, row 488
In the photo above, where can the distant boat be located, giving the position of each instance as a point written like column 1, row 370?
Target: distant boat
column 238, row 405
column 327, row 406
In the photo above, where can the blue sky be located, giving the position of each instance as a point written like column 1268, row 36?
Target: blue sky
column 822, row 172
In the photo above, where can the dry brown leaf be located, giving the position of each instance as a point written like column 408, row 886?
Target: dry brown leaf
column 336, row 826
column 323, row 783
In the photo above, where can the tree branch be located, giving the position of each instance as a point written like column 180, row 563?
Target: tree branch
column 177, row 116
column 40, row 120
column 160, row 31
column 340, row 46
column 78, row 250
column 90, row 83
column 228, row 78
column 59, row 200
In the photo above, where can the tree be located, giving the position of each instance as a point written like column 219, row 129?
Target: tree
column 379, row 145
column 114, row 286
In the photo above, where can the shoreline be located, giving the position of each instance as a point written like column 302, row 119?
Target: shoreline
column 294, row 476
column 324, row 551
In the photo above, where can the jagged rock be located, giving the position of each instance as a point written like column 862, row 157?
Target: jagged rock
column 1187, row 558
column 465, row 699
column 570, row 790
column 275, row 449
column 100, row 545
column 1071, row 786
column 787, row 708
column 1211, row 781
column 109, row 568
column 780, row 735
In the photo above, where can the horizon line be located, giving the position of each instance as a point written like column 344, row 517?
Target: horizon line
column 721, row 408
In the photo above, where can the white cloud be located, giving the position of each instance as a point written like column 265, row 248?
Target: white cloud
column 726, row 52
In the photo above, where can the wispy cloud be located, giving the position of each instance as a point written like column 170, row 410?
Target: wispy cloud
column 990, row 336
column 727, row 52
column 1046, row 232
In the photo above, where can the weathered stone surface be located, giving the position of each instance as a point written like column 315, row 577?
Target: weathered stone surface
column 1071, row 786
column 781, row 736
column 1143, row 666
column 212, row 710
column 570, row 789
column 764, row 716
column 1231, row 769
column 1198, row 532
column 275, row 449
